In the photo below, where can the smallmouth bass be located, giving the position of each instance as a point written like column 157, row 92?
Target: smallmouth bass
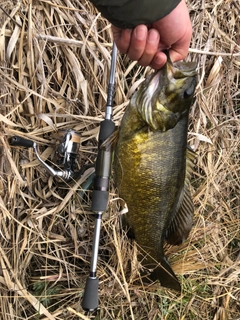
column 153, row 163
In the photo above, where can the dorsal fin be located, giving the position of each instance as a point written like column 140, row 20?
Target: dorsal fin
column 181, row 224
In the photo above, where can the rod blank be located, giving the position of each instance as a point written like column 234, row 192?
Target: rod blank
column 100, row 192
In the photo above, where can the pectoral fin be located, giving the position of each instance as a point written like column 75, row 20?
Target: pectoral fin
column 181, row 224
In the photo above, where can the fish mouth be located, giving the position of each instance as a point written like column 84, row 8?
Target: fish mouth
column 176, row 70
column 166, row 95
column 183, row 69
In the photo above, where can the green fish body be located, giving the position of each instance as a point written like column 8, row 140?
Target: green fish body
column 150, row 165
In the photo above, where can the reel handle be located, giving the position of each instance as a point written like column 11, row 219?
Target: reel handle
column 20, row 142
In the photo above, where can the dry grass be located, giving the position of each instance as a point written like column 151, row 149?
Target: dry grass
column 54, row 72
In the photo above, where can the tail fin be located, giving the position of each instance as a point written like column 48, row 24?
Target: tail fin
column 164, row 273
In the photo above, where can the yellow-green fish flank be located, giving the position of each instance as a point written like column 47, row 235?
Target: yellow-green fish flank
column 150, row 165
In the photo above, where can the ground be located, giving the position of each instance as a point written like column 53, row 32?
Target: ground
column 55, row 60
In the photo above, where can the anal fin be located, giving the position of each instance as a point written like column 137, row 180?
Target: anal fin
column 165, row 275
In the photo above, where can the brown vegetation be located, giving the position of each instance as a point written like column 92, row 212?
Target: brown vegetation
column 55, row 59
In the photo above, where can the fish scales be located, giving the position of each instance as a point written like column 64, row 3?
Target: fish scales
column 150, row 166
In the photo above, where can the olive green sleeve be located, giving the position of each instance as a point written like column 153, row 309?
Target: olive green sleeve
column 130, row 13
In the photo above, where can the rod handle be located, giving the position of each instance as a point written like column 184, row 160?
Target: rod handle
column 20, row 142
column 90, row 297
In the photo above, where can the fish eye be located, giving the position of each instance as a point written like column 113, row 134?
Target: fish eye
column 189, row 92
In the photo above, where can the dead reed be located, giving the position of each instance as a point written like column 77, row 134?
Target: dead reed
column 55, row 59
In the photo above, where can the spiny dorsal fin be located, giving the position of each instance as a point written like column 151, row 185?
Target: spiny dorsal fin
column 181, row 224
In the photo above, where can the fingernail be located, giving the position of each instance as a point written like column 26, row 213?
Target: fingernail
column 153, row 36
column 140, row 32
column 158, row 59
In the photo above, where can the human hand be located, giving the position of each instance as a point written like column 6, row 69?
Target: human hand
column 145, row 44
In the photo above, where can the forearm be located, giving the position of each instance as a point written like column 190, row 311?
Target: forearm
column 130, row 13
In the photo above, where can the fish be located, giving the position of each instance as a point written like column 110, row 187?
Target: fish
column 153, row 165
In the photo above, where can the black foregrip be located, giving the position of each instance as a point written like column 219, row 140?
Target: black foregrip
column 20, row 142
column 90, row 297
column 106, row 129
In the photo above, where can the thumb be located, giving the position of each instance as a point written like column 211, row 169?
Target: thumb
column 179, row 50
column 177, row 54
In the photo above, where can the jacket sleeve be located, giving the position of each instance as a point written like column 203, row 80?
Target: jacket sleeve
column 130, row 13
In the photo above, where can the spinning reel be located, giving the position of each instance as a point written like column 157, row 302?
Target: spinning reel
column 65, row 155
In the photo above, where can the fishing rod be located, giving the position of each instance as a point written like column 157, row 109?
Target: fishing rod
column 101, row 188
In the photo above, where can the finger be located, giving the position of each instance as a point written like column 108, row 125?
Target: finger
column 179, row 50
column 122, row 38
column 151, row 48
column 138, row 42
column 158, row 61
